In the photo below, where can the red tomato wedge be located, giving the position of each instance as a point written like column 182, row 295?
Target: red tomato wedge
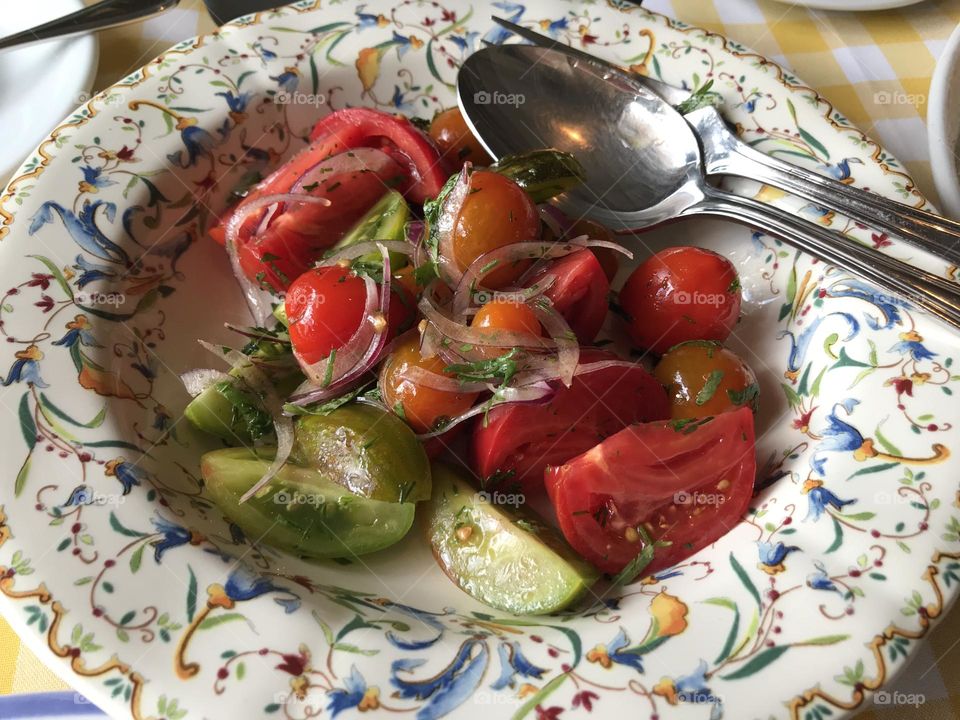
column 686, row 482
column 519, row 440
column 579, row 292
column 284, row 242
column 396, row 136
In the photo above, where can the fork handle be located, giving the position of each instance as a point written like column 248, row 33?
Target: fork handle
column 937, row 296
column 108, row 13
column 726, row 154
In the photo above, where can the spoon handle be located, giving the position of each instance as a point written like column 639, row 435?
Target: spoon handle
column 104, row 14
column 726, row 154
column 937, row 296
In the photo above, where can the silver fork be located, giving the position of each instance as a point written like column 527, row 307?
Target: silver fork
column 725, row 154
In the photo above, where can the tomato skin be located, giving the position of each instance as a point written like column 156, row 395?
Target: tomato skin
column 495, row 212
column 507, row 315
column 296, row 235
column 457, row 143
column 324, row 308
column 704, row 378
column 527, row 437
column 670, row 481
column 680, row 294
column 423, row 407
column 579, row 293
column 399, row 137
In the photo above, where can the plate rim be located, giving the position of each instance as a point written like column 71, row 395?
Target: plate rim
column 88, row 112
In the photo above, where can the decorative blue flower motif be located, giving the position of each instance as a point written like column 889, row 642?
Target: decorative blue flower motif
column 126, row 472
column 819, row 498
column 91, row 272
column 288, row 80
column 77, row 333
column 398, row 100
column 554, row 28
column 612, row 653
column 354, row 694
column 911, row 343
column 197, row 141
column 369, row 20
column 513, row 663
column 772, row 556
column 426, row 618
column 172, row 535
column 25, row 368
column 820, row 580
column 498, row 35
column 236, row 102
column 888, row 305
column 81, row 495
column 838, row 436
column 840, row 171
column 690, row 688
column 449, row 688
column 83, row 228
column 799, row 344
column 94, row 179
column 466, row 41
column 245, row 584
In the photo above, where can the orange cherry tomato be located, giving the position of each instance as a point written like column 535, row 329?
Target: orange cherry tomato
column 508, row 315
column 424, row 408
column 704, row 378
column 496, row 212
column 456, row 143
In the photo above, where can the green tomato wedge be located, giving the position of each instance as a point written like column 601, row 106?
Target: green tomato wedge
column 371, row 452
column 506, row 559
column 384, row 221
column 300, row 510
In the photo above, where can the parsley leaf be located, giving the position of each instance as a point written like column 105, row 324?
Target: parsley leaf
column 496, row 370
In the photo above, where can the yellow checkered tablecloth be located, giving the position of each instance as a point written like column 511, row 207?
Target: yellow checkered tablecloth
column 874, row 67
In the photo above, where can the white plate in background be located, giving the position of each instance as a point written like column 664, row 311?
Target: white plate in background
column 41, row 83
column 943, row 122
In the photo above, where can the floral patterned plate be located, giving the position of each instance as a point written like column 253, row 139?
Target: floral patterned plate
column 117, row 569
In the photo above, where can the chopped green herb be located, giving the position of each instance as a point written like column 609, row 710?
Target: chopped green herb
column 700, row 98
column 399, row 411
column 499, row 369
column 324, row 408
column 709, row 388
column 527, row 525
column 328, row 372
column 749, row 396
column 497, row 477
column 246, row 414
column 636, row 566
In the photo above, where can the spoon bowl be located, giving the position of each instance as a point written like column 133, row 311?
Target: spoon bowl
column 643, row 162
column 637, row 152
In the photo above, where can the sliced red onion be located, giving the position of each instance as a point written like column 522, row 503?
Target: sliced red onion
column 196, row 381
column 333, row 375
column 258, row 300
column 588, row 242
column 546, row 370
column 469, row 283
column 421, row 377
column 446, row 224
column 555, row 219
column 518, row 395
column 478, row 336
column 257, row 381
column 568, row 350
column 352, row 252
column 363, row 159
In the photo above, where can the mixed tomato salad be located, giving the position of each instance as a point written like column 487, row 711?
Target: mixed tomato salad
column 430, row 330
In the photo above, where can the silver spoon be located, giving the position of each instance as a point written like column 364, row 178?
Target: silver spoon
column 108, row 13
column 643, row 162
column 725, row 154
